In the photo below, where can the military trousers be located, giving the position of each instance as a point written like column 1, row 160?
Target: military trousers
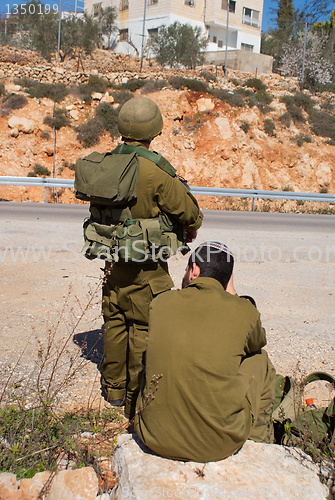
column 260, row 372
column 127, row 292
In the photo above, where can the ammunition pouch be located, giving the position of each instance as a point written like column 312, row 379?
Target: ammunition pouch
column 130, row 240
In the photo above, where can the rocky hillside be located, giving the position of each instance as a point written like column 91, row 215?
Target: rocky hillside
column 211, row 141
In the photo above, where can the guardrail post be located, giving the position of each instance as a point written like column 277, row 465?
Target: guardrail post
column 45, row 195
column 253, row 204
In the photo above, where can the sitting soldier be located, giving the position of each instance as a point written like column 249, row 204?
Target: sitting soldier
column 208, row 385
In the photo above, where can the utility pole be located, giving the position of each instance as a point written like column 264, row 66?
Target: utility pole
column 54, row 129
column 143, row 33
column 303, row 59
column 226, row 55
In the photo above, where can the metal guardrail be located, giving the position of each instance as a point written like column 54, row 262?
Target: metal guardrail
column 206, row 191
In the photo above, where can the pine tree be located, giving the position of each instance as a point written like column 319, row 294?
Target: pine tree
column 285, row 15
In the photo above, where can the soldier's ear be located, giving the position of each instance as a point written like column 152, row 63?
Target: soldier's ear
column 195, row 271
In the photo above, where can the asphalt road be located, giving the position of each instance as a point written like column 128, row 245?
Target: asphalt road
column 213, row 218
column 285, row 261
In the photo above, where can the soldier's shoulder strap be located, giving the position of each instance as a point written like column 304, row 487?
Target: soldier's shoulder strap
column 156, row 158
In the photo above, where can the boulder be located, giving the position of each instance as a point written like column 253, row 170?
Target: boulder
column 97, row 96
column 30, row 488
column 21, row 124
column 205, row 104
column 79, row 484
column 224, row 127
column 74, row 114
column 257, row 471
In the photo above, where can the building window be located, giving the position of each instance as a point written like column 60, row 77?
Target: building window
column 246, row 46
column 124, row 35
column 190, row 3
column 153, row 32
column 214, row 39
column 220, row 44
column 97, row 9
column 250, row 17
column 124, row 4
column 232, row 5
column 152, row 2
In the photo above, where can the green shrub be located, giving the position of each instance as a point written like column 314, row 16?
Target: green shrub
column 234, row 81
column 89, row 133
column 263, row 97
column 54, row 91
column 122, row 96
column 252, row 101
column 209, row 77
column 133, row 84
column 322, row 123
column 178, row 82
column 255, row 83
column 244, row 92
column 24, row 82
column 58, row 120
column 287, row 187
column 233, row 99
column 286, row 119
column 269, row 127
column 263, row 108
column 45, row 135
column 245, row 127
column 153, row 86
column 97, row 84
column 303, row 100
column 300, row 139
column 69, row 165
column 108, row 116
column 15, row 101
column 39, row 170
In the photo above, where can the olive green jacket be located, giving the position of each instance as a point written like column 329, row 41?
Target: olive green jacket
column 159, row 192
column 197, row 339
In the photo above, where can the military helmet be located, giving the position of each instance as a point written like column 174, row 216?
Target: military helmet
column 140, row 119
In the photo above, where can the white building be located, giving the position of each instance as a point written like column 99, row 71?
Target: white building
column 244, row 21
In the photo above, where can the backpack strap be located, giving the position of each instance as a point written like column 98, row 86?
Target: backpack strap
column 316, row 376
column 159, row 160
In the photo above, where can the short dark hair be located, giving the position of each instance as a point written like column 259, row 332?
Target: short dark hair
column 215, row 260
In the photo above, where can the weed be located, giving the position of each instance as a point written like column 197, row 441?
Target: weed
column 286, row 119
column 263, row 97
column 269, row 127
column 133, row 84
column 122, row 96
column 234, row 99
column 245, row 127
column 58, row 120
column 252, row 101
column 153, row 85
column 244, row 92
column 324, row 190
column 89, row 133
column 70, row 166
column 209, row 77
column 39, row 170
column 45, row 134
column 194, row 123
column 234, row 81
column 301, row 138
column 14, row 101
column 263, row 108
column 54, row 91
column 322, row 123
column 178, row 82
column 255, row 83
column 24, row 82
column 108, row 117
column 95, row 84
column 287, row 187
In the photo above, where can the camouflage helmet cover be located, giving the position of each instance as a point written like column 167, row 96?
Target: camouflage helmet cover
column 140, row 119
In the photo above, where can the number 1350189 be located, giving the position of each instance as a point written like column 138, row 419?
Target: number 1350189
column 31, row 8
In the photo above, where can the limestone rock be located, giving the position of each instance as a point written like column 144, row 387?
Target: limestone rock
column 257, row 471
column 31, row 487
column 97, row 96
column 108, row 98
column 205, row 104
column 74, row 114
column 323, row 175
column 8, row 486
column 14, row 132
column 12, row 88
column 21, row 124
column 224, row 127
column 49, row 150
column 79, row 484
column 59, row 71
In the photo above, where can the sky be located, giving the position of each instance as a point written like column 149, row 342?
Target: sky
column 7, row 5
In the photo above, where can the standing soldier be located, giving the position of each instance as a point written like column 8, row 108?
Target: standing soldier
column 158, row 217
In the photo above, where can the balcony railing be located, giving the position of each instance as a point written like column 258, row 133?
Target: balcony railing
column 252, row 22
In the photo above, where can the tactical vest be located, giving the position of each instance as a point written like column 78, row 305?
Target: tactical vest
column 110, row 182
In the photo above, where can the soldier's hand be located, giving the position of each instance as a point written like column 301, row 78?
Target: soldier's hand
column 190, row 235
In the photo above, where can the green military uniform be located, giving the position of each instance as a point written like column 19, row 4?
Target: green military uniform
column 130, row 287
column 216, row 389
